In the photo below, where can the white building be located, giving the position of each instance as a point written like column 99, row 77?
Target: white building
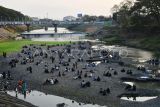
column 69, row 18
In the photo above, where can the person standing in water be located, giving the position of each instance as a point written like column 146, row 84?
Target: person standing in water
column 24, row 88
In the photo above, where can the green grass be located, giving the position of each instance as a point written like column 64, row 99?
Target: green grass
column 15, row 46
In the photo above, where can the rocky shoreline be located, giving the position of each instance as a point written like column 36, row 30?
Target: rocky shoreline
column 8, row 101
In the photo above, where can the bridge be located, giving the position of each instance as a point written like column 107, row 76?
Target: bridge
column 41, row 23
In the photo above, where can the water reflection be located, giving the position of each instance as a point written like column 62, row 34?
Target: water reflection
column 145, row 85
column 136, row 55
column 140, row 85
column 42, row 100
column 66, row 37
column 129, row 83
column 0, row 75
column 138, row 99
column 63, row 34
column 133, row 56
column 50, row 30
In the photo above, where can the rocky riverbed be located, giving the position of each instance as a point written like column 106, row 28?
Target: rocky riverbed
column 83, row 74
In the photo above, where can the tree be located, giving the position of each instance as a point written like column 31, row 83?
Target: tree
column 121, row 12
column 10, row 15
column 150, row 7
column 115, row 9
column 141, row 12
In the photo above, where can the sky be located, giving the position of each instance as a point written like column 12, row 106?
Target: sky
column 57, row 9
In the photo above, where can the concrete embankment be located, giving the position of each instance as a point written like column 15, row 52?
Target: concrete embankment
column 8, row 101
column 4, row 34
column 11, row 32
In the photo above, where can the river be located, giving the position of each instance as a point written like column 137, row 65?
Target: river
column 135, row 57
column 62, row 34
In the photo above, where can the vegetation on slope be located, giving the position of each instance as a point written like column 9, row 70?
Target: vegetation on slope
column 10, row 32
column 130, row 37
column 138, row 25
column 11, row 15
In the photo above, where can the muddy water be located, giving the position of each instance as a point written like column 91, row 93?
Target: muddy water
column 136, row 55
column 41, row 99
column 132, row 56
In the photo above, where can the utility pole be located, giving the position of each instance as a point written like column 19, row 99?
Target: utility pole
column 47, row 15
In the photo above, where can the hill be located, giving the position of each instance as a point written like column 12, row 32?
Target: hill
column 10, row 32
column 10, row 14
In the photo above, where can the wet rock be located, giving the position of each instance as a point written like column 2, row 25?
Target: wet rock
column 61, row 105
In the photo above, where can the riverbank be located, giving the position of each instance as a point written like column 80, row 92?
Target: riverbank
column 144, row 38
column 87, row 28
column 11, row 32
column 68, row 86
column 8, row 101
column 11, row 46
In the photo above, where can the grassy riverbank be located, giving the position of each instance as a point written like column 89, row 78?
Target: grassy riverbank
column 10, row 46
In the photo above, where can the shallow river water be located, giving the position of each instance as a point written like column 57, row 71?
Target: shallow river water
column 62, row 34
column 41, row 99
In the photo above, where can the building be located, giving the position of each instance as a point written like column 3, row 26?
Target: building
column 35, row 18
column 69, row 18
column 79, row 15
column 46, row 20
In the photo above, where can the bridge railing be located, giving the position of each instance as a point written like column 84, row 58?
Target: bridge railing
column 17, row 22
column 45, row 23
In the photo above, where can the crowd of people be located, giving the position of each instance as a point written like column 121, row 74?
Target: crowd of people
column 58, row 63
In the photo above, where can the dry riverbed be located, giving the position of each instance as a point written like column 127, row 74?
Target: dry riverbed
column 69, row 87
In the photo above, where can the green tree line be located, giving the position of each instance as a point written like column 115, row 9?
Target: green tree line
column 89, row 18
column 137, row 13
column 11, row 15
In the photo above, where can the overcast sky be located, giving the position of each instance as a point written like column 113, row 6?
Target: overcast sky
column 57, row 9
